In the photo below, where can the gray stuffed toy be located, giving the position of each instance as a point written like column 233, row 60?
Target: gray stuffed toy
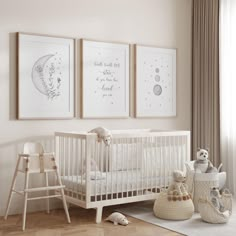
column 202, row 164
column 216, row 199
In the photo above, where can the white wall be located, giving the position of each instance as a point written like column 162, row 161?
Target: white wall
column 163, row 23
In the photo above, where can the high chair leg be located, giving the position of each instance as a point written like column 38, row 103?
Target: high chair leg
column 65, row 206
column 25, row 200
column 47, row 192
column 63, row 197
column 11, row 189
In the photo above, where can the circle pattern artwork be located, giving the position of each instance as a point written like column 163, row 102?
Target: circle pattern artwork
column 157, row 90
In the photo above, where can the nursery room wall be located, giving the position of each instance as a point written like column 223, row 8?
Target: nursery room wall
column 161, row 23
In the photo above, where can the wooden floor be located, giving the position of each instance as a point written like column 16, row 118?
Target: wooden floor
column 83, row 224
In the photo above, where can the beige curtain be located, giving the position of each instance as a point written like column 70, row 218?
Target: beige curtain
column 205, row 84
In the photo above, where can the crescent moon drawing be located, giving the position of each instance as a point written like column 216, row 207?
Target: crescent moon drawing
column 38, row 74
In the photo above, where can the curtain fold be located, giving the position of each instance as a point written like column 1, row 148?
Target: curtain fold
column 205, row 79
column 228, row 89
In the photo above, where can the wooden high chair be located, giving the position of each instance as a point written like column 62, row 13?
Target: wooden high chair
column 34, row 161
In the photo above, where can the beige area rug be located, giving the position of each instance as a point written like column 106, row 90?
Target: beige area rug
column 192, row 227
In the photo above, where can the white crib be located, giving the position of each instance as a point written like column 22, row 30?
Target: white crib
column 135, row 167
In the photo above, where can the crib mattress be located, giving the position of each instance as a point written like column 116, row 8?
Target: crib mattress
column 116, row 182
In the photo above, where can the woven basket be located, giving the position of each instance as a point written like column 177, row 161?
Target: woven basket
column 212, row 215
column 172, row 210
column 203, row 182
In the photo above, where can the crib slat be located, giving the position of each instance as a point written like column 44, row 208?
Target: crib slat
column 96, row 162
column 110, row 163
column 88, row 153
column 116, row 167
column 82, row 158
column 106, row 166
column 77, row 164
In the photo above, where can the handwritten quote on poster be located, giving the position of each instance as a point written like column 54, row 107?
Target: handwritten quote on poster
column 106, row 80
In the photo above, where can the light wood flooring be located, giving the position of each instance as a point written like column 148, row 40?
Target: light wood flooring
column 83, row 224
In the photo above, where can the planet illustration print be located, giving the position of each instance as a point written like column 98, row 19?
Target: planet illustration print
column 157, row 78
column 157, row 90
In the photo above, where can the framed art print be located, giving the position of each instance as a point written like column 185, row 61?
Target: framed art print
column 45, row 77
column 105, row 79
column 155, row 82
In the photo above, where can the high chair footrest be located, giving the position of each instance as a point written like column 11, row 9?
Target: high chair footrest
column 44, row 188
column 44, row 197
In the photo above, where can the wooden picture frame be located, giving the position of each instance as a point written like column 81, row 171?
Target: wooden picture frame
column 105, row 79
column 46, row 77
column 155, row 81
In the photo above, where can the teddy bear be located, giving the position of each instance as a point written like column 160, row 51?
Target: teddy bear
column 202, row 163
column 178, row 189
column 103, row 134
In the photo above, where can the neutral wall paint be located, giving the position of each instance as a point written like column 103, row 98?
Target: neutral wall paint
column 162, row 23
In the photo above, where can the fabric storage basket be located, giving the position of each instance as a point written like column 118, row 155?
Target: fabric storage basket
column 203, row 182
column 172, row 210
column 212, row 215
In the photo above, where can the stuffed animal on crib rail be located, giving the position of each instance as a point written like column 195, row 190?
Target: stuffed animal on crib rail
column 178, row 190
column 202, row 163
column 118, row 218
column 103, row 134
column 216, row 199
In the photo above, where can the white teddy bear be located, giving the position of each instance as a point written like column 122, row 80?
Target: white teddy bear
column 178, row 188
column 202, row 164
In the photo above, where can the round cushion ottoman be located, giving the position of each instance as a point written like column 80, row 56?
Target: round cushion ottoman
column 174, row 209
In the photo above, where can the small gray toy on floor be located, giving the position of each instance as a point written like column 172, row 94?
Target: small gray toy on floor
column 103, row 134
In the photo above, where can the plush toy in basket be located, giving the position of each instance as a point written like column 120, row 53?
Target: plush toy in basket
column 176, row 202
column 202, row 163
column 216, row 209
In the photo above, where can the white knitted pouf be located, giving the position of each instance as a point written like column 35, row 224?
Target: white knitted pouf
column 172, row 210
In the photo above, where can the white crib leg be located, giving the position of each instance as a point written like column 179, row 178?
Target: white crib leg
column 99, row 214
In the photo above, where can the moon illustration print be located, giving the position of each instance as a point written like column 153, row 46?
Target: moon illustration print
column 46, row 71
column 46, row 76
